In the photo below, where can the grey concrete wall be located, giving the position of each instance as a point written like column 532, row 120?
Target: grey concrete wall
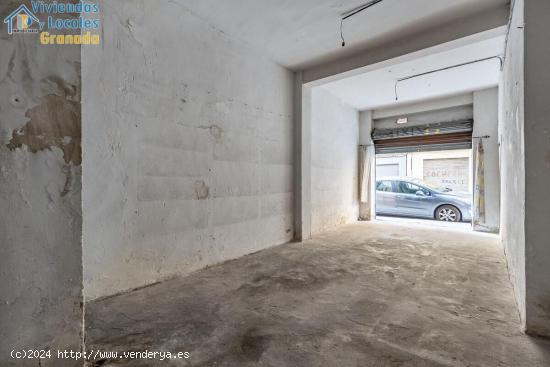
column 334, row 157
column 188, row 148
column 512, row 153
column 486, row 123
column 40, row 197
column 537, row 165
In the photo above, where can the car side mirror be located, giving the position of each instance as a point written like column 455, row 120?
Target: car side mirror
column 420, row 193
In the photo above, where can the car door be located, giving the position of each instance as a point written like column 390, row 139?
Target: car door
column 413, row 200
column 385, row 197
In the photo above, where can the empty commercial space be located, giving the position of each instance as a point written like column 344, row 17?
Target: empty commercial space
column 217, row 183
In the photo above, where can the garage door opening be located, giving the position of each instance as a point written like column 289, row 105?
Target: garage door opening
column 425, row 173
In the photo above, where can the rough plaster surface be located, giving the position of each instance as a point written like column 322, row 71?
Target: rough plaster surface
column 40, row 197
column 334, row 157
column 369, row 294
column 512, row 153
column 188, row 149
column 537, row 166
column 486, row 123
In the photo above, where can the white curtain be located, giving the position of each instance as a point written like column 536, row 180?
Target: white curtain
column 366, row 157
column 479, row 186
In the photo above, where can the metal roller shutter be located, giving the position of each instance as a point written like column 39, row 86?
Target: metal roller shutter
column 440, row 136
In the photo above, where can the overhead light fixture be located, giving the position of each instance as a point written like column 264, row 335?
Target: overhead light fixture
column 352, row 13
column 402, row 120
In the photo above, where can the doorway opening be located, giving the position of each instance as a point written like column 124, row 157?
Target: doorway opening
column 423, row 187
column 432, row 113
column 424, row 174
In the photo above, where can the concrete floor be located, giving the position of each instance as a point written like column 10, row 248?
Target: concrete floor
column 367, row 294
column 431, row 223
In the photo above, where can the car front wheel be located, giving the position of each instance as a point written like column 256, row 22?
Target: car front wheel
column 448, row 213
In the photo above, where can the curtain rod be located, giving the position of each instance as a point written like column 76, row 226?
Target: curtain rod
column 473, row 137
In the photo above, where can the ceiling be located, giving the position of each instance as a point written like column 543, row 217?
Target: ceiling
column 301, row 33
column 376, row 88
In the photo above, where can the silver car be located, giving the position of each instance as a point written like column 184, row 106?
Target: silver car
column 410, row 197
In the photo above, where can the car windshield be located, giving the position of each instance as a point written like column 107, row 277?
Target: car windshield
column 430, row 186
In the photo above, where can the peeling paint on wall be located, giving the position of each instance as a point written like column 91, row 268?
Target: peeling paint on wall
column 40, row 188
column 54, row 122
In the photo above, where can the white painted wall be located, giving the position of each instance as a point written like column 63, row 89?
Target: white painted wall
column 391, row 165
column 188, row 148
column 512, row 153
column 537, row 165
column 457, row 113
column 365, row 127
column 416, row 163
column 367, row 210
column 486, row 124
column 334, row 161
column 428, row 105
